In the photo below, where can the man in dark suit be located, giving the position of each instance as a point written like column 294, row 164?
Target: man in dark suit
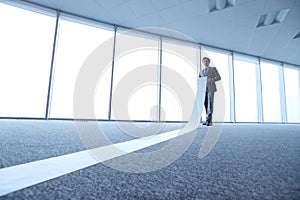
column 212, row 75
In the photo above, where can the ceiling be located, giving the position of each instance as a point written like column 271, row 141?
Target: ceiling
column 233, row 28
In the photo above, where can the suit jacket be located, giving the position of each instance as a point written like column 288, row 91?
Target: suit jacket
column 213, row 73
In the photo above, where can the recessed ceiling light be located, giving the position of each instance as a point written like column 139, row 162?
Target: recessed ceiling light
column 215, row 5
column 272, row 18
column 297, row 36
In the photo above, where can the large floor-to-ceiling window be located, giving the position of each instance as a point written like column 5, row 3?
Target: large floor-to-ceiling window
column 77, row 39
column 178, row 80
column 135, row 77
column 270, row 83
column 245, row 85
column 26, row 41
column 292, row 91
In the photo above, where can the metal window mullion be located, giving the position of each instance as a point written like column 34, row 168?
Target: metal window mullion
column 49, row 95
column 260, row 110
column 112, row 74
column 299, row 90
column 299, row 84
column 198, row 72
column 199, row 61
column 160, row 78
column 232, row 88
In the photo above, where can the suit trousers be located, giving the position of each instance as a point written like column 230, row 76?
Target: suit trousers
column 209, row 105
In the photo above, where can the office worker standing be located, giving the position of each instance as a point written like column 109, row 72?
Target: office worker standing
column 212, row 75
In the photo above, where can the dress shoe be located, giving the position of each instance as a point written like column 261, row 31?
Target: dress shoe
column 208, row 123
column 204, row 123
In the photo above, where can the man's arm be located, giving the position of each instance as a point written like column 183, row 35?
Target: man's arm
column 215, row 76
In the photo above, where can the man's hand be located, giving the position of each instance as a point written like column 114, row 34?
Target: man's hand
column 210, row 80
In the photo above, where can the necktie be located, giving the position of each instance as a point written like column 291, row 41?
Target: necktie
column 205, row 71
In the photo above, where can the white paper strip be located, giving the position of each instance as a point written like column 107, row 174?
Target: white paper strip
column 21, row 176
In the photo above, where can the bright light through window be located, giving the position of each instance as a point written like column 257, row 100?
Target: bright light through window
column 245, row 91
column 179, row 81
column 270, row 92
column 75, row 43
column 26, row 48
column 26, row 41
column 292, row 90
column 135, row 88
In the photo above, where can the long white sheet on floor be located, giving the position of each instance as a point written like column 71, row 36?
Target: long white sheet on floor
column 21, row 176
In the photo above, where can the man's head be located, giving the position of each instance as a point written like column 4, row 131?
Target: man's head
column 205, row 61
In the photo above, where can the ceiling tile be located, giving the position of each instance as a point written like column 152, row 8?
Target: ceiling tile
column 295, row 56
column 191, row 23
column 286, row 53
column 239, row 2
column 275, row 5
column 110, row 4
column 122, row 14
column 240, row 41
column 220, row 32
column 186, row 9
column 200, row 30
column 201, row 37
column 292, row 21
column 249, row 9
column 141, row 8
column 243, row 24
column 152, row 20
column 160, row 5
column 218, row 18
column 261, row 39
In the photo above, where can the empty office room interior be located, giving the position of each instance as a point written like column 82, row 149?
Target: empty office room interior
column 150, row 99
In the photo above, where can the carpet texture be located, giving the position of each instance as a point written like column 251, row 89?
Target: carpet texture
column 249, row 161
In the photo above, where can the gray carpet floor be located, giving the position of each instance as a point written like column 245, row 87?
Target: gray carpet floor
column 249, row 161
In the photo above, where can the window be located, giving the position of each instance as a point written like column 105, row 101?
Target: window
column 292, row 91
column 135, row 80
column 179, row 80
column 270, row 92
column 26, row 48
column 76, row 41
column 145, row 84
column 246, row 106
